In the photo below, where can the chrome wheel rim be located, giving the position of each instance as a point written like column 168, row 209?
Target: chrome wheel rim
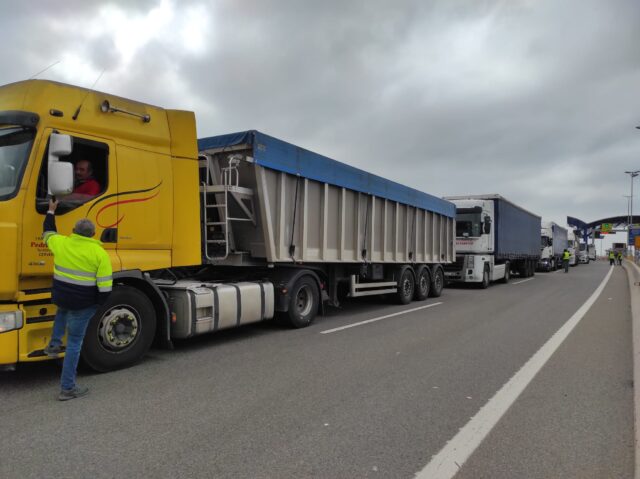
column 118, row 328
column 304, row 300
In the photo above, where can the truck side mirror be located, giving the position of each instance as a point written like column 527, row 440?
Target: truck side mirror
column 487, row 225
column 60, row 178
column 60, row 173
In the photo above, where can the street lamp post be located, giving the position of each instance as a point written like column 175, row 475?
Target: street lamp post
column 632, row 175
column 628, row 197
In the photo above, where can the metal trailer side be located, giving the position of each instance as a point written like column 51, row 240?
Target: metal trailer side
column 559, row 239
column 295, row 206
column 517, row 231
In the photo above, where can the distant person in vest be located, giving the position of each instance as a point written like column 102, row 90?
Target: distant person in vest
column 612, row 258
column 565, row 260
column 620, row 258
column 81, row 281
column 86, row 186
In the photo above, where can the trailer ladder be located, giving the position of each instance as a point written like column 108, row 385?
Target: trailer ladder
column 218, row 190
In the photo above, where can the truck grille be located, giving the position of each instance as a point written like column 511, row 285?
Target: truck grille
column 457, row 265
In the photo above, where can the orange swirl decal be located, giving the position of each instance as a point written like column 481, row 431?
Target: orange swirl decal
column 115, row 203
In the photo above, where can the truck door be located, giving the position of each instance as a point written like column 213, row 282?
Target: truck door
column 90, row 199
column 145, row 209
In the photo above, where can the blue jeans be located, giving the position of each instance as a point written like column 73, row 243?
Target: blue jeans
column 75, row 322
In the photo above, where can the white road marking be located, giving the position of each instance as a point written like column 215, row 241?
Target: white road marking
column 379, row 318
column 455, row 453
column 523, row 281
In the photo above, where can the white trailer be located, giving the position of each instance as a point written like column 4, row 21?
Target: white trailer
column 553, row 241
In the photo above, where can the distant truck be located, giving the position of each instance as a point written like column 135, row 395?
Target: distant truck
column 573, row 245
column 619, row 247
column 553, row 241
column 494, row 237
column 591, row 249
column 583, row 253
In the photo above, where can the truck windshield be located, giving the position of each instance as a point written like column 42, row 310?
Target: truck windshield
column 15, row 146
column 544, row 241
column 468, row 224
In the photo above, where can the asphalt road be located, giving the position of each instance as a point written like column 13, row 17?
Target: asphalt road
column 375, row 400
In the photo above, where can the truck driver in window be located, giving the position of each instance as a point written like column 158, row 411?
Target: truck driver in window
column 86, row 186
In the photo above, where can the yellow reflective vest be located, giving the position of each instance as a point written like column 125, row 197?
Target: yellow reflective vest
column 81, row 270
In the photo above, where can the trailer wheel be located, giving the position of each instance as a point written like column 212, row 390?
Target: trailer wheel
column 303, row 303
column 122, row 331
column 532, row 268
column 423, row 284
column 406, row 286
column 507, row 273
column 437, row 282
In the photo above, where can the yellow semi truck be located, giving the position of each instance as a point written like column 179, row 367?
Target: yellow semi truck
column 202, row 234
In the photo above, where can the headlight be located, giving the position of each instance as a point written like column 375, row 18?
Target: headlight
column 10, row 320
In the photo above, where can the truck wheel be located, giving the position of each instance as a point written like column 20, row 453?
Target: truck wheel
column 437, row 282
column 406, row 286
column 485, row 279
column 303, row 303
column 122, row 331
column 423, row 285
column 507, row 273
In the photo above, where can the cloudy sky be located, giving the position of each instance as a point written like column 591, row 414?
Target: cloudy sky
column 535, row 100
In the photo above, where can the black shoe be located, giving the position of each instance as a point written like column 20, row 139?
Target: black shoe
column 76, row 392
column 53, row 351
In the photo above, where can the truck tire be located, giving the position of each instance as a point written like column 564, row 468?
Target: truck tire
column 303, row 302
column 423, row 284
column 507, row 273
column 437, row 282
column 484, row 284
column 122, row 331
column 521, row 269
column 406, row 287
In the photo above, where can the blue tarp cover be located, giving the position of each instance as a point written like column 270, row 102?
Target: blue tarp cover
column 282, row 156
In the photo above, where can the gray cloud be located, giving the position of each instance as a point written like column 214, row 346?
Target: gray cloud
column 536, row 100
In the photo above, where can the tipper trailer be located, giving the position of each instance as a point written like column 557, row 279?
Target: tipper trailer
column 202, row 235
column 553, row 242
column 493, row 238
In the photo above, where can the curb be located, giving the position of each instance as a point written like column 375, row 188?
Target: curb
column 633, row 272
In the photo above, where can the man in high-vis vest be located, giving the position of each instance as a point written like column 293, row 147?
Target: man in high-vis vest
column 81, row 282
column 566, row 256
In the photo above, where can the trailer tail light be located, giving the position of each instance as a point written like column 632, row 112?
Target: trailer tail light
column 173, row 318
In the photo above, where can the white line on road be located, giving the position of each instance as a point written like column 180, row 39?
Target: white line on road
column 455, row 453
column 523, row 281
column 378, row 319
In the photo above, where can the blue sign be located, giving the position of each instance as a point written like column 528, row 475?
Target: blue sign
column 633, row 232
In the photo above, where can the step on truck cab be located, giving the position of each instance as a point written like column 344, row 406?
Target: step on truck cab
column 202, row 235
column 494, row 238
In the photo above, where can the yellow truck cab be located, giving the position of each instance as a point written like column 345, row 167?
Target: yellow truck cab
column 142, row 157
